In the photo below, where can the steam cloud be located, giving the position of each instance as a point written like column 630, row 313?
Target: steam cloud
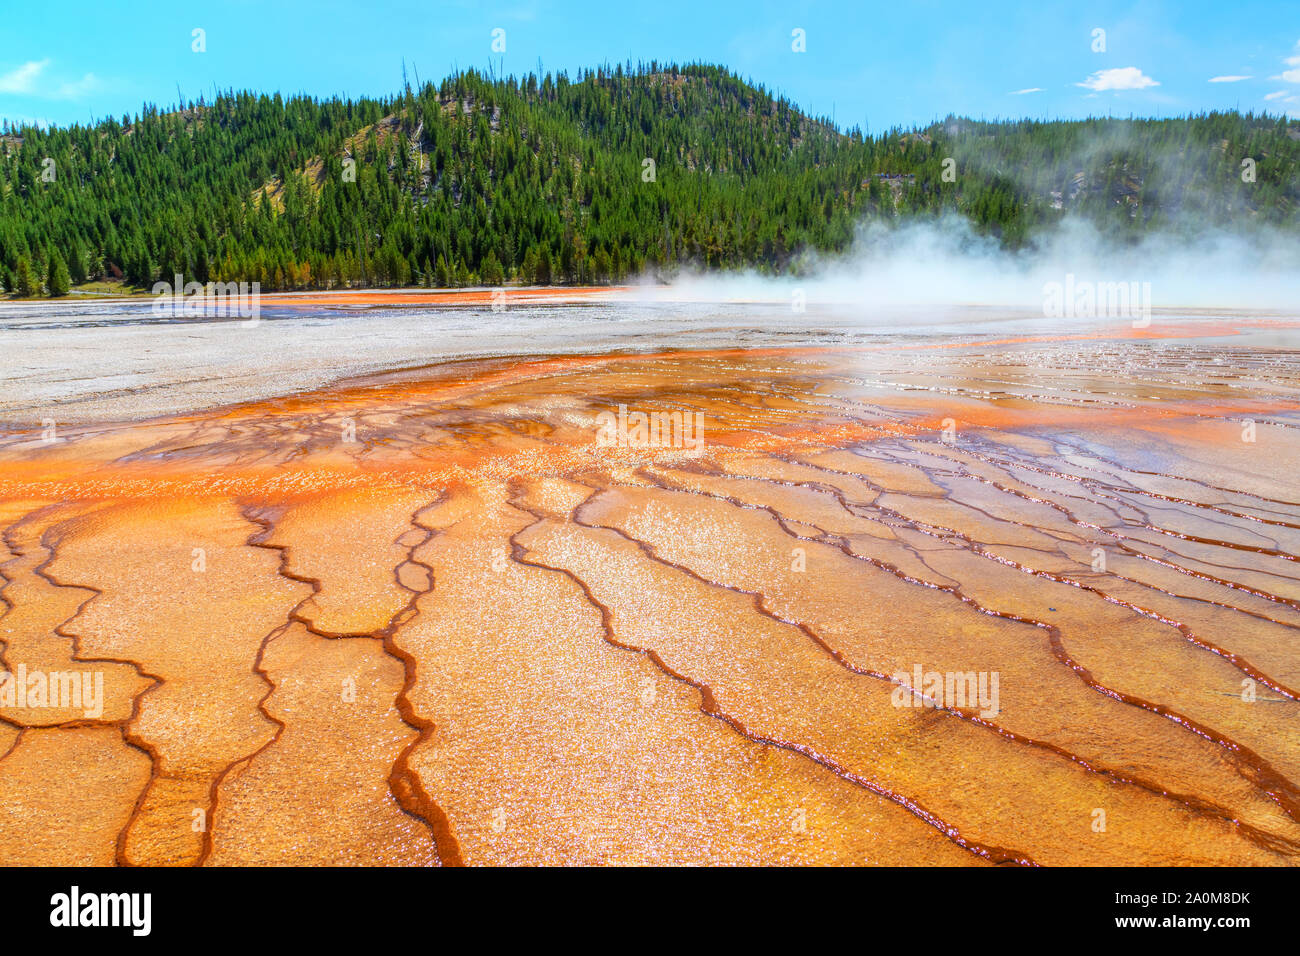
column 945, row 262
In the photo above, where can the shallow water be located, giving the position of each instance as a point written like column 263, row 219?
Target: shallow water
column 429, row 616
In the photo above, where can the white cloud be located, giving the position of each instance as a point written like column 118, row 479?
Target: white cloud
column 1291, row 76
column 1032, row 89
column 1229, row 79
column 23, row 79
column 71, row 91
column 1120, row 78
column 30, row 79
column 1288, row 101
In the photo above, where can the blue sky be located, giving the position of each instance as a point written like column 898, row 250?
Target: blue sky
column 872, row 64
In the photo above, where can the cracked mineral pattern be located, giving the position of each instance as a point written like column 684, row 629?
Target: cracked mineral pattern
column 440, row 617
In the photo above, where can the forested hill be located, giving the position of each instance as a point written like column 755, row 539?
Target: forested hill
column 588, row 179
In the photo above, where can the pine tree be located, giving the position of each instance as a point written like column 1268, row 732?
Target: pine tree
column 603, row 265
column 26, row 279
column 59, row 282
column 77, row 264
column 528, row 268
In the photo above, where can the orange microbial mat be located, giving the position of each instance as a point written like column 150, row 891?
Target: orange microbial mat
column 1034, row 600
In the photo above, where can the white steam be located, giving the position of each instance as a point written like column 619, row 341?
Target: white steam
column 928, row 264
